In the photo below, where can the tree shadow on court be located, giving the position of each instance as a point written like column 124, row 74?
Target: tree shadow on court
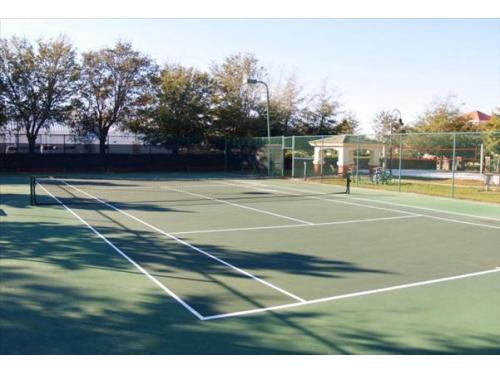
column 15, row 200
column 65, row 291
column 293, row 263
column 84, row 203
column 440, row 343
column 73, row 246
column 41, row 316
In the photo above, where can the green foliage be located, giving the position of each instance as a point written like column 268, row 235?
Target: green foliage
column 385, row 121
column 492, row 136
column 238, row 110
column 183, row 106
column 3, row 109
column 37, row 82
column 320, row 115
column 444, row 116
column 116, row 88
column 285, row 107
column 120, row 87
column 347, row 125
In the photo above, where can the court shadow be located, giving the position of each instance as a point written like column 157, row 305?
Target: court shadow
column 291, row 263
column 47, row 315
column 65, row 291
column 15, row 200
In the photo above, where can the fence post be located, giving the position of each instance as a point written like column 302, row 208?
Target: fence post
column 481, row 158
column 400, row 160
column 282, row 155
column 225, row 156
column 453, row 165
column 357, row 160
column 321, row 157
column 293, row 156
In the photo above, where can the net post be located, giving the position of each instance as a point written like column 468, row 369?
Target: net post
column 453, row 165
column 293, row 156
column 305, row 170
column 400, row 160
column 32, row 190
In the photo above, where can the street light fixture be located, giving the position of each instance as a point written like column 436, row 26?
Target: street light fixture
column 253, row 81
column 400, row 122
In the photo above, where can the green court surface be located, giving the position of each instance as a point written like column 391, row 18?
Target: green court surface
column 198, row 264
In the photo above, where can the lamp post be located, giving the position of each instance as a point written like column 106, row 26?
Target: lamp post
column 252, row 81
column 400, row 121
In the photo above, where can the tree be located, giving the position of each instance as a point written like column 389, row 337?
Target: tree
column 37, row 83
column 183, row 106
column 285, row 106
column 116, row 89
column 384, row 120
column 492, row 134
column 348, row 124
column 237, row 109
column 321, row 112
column 444, row 115
column 3, row 114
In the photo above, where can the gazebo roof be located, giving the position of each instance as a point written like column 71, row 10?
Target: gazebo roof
column 343, row 140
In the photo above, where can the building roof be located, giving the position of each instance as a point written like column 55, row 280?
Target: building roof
column 478, row 117
column 344, row 139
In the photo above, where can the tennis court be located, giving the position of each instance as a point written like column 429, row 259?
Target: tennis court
column 234, row 249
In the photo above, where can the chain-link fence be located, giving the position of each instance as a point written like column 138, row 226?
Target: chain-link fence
column 54, row 143
column 448, row 164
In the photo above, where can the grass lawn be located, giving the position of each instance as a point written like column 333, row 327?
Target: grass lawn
column 464, row 189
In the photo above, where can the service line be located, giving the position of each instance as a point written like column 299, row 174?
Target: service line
column 193, row 247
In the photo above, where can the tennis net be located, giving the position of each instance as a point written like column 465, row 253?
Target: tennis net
column 160, row 192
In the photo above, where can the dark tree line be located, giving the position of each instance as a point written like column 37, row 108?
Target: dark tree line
column 47, row 82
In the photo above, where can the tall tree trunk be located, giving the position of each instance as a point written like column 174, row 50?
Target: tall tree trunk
column 102, row 143
column 31, row 143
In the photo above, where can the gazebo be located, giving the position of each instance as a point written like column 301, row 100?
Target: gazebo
column 345, row 145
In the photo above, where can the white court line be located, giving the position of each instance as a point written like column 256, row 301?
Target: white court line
column 238, row 205
column 152, row 278
column 169, row 235
column 350, row 295
column 266, row 188
column 374, row 207
column 429, row 209
column 296, row 225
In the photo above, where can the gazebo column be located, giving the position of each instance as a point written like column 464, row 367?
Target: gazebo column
column 317, row 155
column 374, row 161
column 318, row 159
column 345, row 159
